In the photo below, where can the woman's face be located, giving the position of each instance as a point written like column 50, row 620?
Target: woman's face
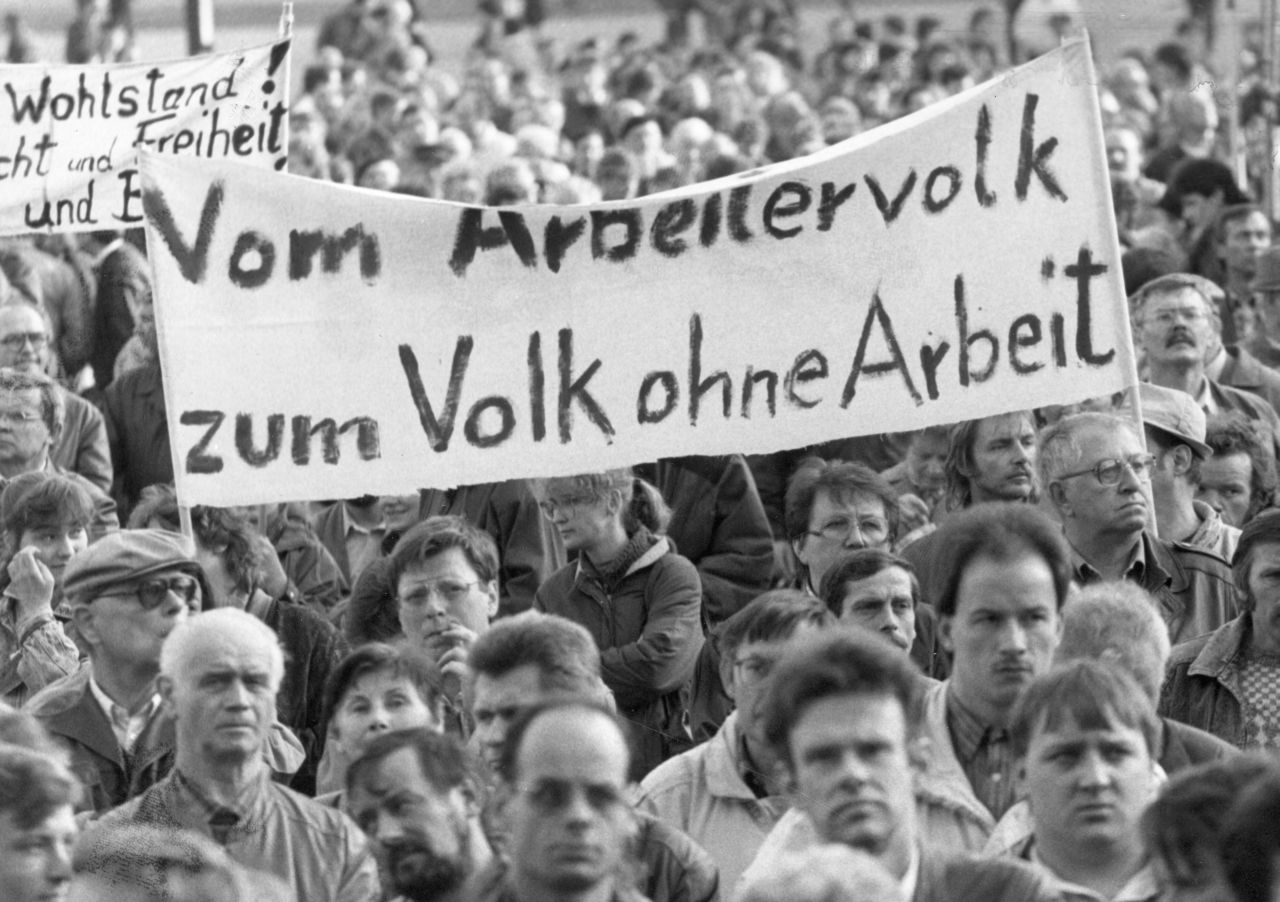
column 580, row 518
column 55, row 544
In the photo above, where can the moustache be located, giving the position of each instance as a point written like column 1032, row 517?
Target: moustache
column 1181, row 336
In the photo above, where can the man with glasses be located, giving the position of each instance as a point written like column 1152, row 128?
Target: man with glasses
column 126, row 593
column 1176, row 326
column 81, row 445
column 728, row 792
column 563, row 805
column 1097, row 476
column 445, row 575
column 31, row 419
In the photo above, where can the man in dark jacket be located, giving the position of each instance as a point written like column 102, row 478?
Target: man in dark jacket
column 126, row 593
column 1096, row 475
column 1225, row 683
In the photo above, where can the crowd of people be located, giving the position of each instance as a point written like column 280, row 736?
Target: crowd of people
column 1034, row 656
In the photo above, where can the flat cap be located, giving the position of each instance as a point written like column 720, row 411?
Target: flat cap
column 124, row 557
column 1176, row 413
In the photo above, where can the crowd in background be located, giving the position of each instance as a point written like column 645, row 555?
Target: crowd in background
column 1034, row 656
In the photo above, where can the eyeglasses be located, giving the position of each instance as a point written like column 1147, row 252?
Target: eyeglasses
column 151, row 593
column 18, row 417
column 569, row 505
column 872, row 529
column 553, row 795
column 1110, row 471
column 453, row 591
column 15, row 340
column 1168, row 316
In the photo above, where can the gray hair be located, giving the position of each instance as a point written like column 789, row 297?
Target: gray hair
column 239, row 627
column 824, row 873
column 1118, row 622
column 1059, row 445
column 52, row 409
column 1209, row 293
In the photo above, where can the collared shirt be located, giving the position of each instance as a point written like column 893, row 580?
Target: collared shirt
column 127, row 725
column 1085, row 573
column 911, row 878
column 318, row 852
column 985, row 755
column 1213, row 369
column 1204, row 398
column 1141, row 887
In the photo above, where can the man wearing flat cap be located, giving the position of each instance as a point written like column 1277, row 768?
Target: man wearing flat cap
column 1175, row 432
column 126, row 593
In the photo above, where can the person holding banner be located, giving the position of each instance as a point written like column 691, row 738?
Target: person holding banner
column 639, row 599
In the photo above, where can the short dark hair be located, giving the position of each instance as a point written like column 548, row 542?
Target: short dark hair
column 41, row 499
column 230, row 536
column 1001, row 531
column 444, row 761
column 863, row 563
column 33, row 785
column 436, row 535
column 1095, row 694
column 1204, row 177
column 1263, row 529
column 841, row 478
column 157, row 502
column 509, row 756
column 563, row 651
column 1251, row 838
column 1175, row 56
column 776, row 614
column 1230, row 432
column 1183, row 826
column 830, row 663
column 402, row 660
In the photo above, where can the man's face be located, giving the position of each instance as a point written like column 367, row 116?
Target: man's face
column 496, row 702
column 35, row 862
column 1124, row 154
column 1004, row 459
column 24, row 340
column 1087, row 788
column 1004, row 630
column 1264, row 590
column 378, row 702
column 1176, row 328
column 853, row 773
column 882, row 603
column 421, row 834
column 1199, row 211
column 224, row 701
column 1246, row 237
column 1226, row 485
column 748, row 683
column 119, row 624
column 567, row 817
column 925, row 459
column 444, row 592
column 24, row 435
column 1087, row 505
column 838, row 525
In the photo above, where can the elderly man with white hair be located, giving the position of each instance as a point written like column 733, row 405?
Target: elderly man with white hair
column 219, row 673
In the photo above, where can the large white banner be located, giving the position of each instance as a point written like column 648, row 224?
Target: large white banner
column 70, row 135
column 321, row 341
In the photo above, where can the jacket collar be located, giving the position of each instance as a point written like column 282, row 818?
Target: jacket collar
column 1222, row 650
column 650, row 557
column 943, row 780
column 725, row 762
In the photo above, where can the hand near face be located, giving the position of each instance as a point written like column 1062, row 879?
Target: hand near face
column 31, row 583
column 912, row 513
column 450, row 648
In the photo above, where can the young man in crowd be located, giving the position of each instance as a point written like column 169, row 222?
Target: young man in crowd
column 843, row 712
column 728, row 792
column 1084, row 736
column 1239, row 480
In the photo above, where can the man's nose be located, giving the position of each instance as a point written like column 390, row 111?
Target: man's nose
column 1095, row 772
column 1013, row 636
column 386, row 828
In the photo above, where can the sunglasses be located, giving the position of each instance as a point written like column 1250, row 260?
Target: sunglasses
column 151, row 593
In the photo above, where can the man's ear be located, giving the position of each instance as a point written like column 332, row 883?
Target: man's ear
column 83, row 620
column 1058, row 496
column 1182, row 460
column 944, row 634
column 726, row 675
column 470, row 798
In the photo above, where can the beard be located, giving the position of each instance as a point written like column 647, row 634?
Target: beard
column 420, row 874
